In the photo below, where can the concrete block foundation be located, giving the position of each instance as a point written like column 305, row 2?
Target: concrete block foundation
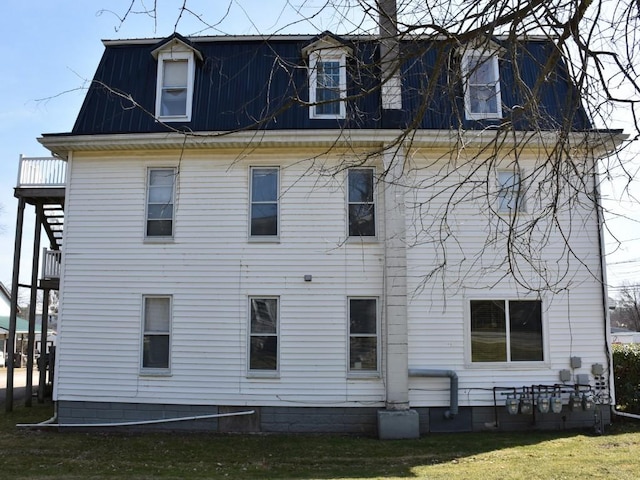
column 398, row 424
column 368, row 421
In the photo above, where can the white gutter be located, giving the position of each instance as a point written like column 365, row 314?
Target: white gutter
column 537, row 142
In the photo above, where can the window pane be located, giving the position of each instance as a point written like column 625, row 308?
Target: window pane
column 328, row 74
column 525, row 322
column 363, row 353
column 488, row 331
column 361, row 185
column 264, row 353
column 161, row 177
column 481, row 71
column 483, row 99
column 264, row 186
column 175, row 73
column 160, row 211
column 173, row 102
column 328, row 108
column 155, row 351
column 156, row 314
column 264, row 315
column 362, row 316
column 362, row 220
column 161, row 194
column 159, row 228
column 264, row 219
column 327, row 95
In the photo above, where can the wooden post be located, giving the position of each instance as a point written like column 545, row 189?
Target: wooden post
column 31, row 337
column 15, row 280
column 44, row 328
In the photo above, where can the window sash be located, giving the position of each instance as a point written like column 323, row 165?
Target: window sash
column 264, row 202
column 482, row 86
column 263, row 334
column 363, row 335
column 156, row 333
column 506, row 331
column 361, row 202
column 160, row 202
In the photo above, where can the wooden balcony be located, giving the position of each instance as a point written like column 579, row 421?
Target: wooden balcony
column 41, row 182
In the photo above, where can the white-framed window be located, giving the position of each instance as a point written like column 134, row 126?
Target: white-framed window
column 506, row 331
column 263, row 334
column 364, row 339
column 174, row 91
column 327, row 83
column 264, row 192
column 481, row 74
column 160, row 202
column 361, row 202
column 510, row 199
column 156, row 333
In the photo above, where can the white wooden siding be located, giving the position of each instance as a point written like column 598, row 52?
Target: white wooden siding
column 210, row 268
column 573, row 317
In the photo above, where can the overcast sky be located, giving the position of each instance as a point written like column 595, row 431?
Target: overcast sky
column 51, row 51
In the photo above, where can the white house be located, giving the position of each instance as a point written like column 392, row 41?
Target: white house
column 247, row 229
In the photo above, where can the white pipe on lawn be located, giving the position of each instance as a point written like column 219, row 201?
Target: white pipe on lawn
column 129, row 424
column 623, row 414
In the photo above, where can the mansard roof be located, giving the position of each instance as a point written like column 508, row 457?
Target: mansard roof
column 262, row 83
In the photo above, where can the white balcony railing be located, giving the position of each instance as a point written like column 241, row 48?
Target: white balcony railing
column 41, row 172
column 51, row 263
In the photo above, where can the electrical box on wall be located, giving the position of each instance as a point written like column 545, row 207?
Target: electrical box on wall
column 576, row 362
column 565, row 375
column 597, row 369
column 582, row 379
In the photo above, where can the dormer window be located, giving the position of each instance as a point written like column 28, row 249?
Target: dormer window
column 327, row 84
column 175, row 86
column 482, row 85
column 175, row 80
column 327, row 57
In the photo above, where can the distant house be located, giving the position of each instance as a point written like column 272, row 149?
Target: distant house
column 22, row 325
column 624, row 335
column 245, row 232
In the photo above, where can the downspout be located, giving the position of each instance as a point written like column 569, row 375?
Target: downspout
column 453, row 385
column 605, row 298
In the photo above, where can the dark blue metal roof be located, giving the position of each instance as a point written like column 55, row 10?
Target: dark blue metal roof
column 257, row 83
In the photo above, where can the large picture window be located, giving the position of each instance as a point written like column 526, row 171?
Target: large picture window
column 160, row 201
column 363, row 335
column 263, row 334
column 361, row 199
column 482, row 85
column 156, row 337
column 506, row 331
column 264, row 202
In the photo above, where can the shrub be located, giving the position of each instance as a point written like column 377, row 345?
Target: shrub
column 626, row 374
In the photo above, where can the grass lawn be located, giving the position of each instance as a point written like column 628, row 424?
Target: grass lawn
column 50, row 454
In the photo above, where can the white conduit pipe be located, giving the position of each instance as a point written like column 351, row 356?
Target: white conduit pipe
column 130, row 424
column 623, row 414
